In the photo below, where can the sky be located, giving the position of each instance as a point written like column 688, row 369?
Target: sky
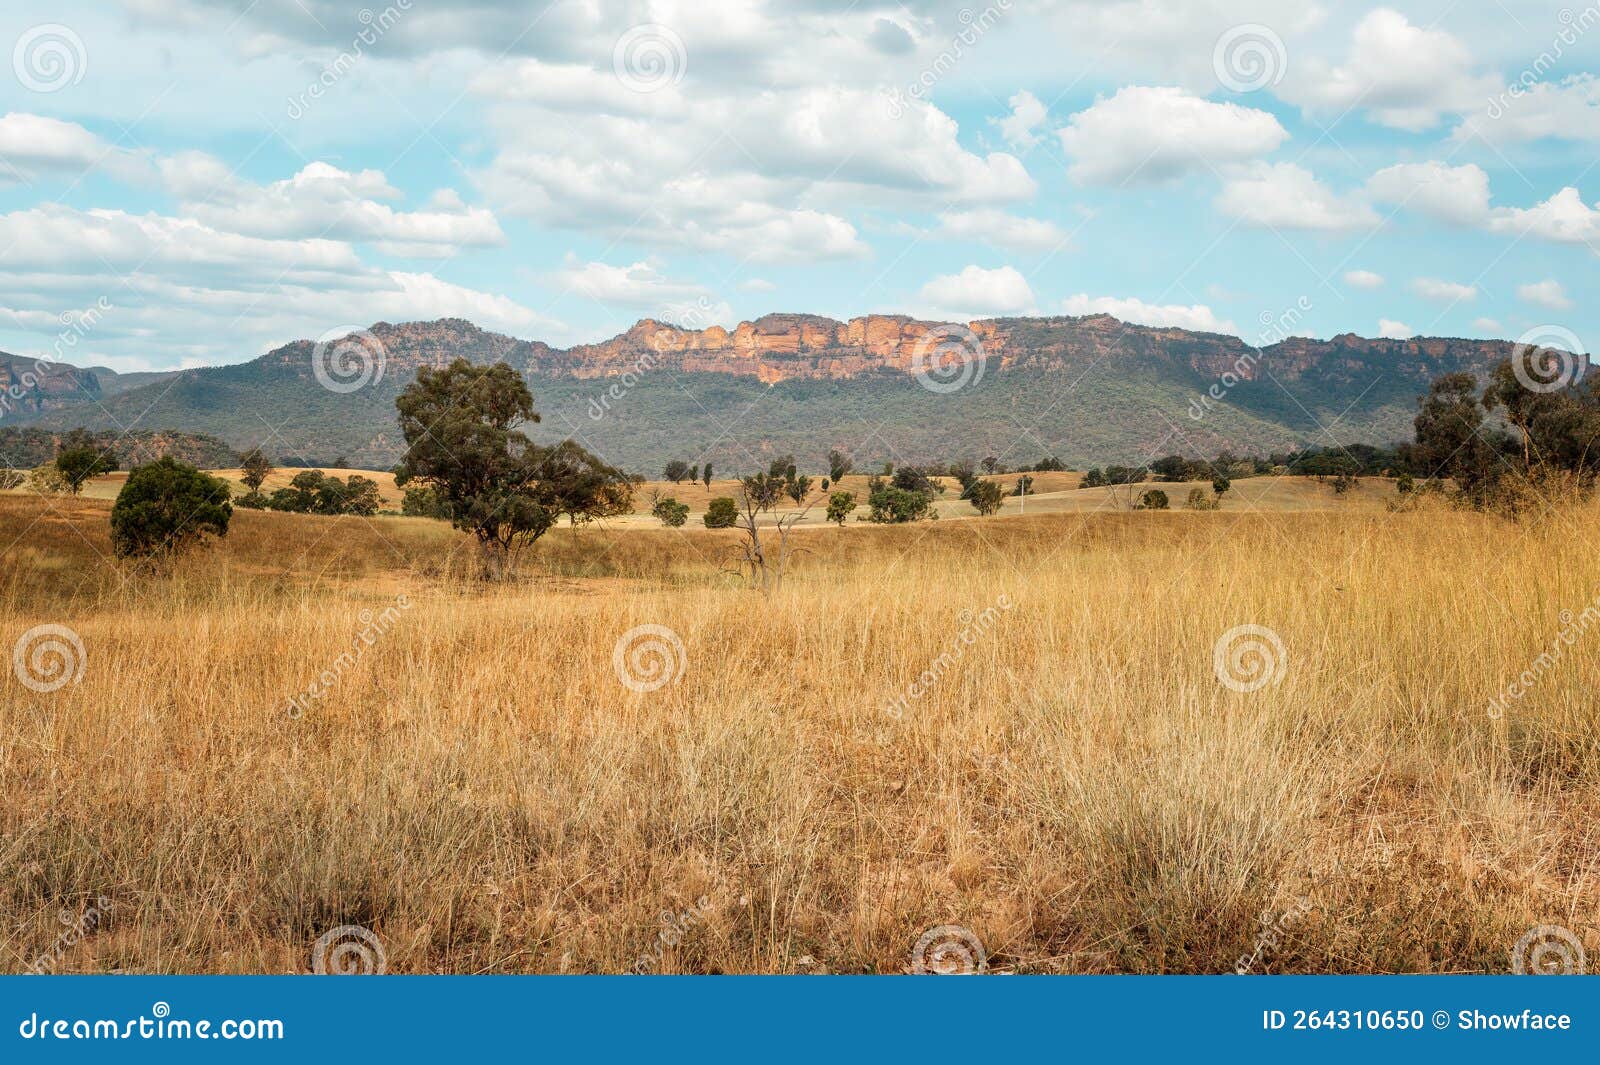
column 194, row 182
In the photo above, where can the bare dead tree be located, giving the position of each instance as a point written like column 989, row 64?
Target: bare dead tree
column 763, row 553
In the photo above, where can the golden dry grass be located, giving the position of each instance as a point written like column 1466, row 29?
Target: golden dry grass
column 1076, row 786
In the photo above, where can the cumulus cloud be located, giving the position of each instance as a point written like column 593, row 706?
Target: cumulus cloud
column 1027, row 115
column 322, row 200
column 1455, row 194
column 1563, row 219
column 1363, row 279
column 977, row 293
column 1487, row 325
column 33, row 145
column 1389, row 329
column 641, row 286
column 1158, row 134
column 1550, row 295
column 1430, row 288
column 1565, row 110
column 1137, row 312
column 1408, row 77
column 1286, row 196
column 1002, row 230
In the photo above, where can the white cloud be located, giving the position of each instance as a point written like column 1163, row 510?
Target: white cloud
column 757, row 284
column 1407, row 76
column 1564, row 110
column 183, row 292
column 1157, row 134
column 1027, row 114
column 1455, row 194
column 1430, row 288
column 1002, row 230
column 1460, row 195
column 33, row 141
column 1136, row 312
column 1363, row 279
column 1547, row 294
column 1564, row 219
column 1487, row 325
column 641, row 286
column 322, row 200
column 978, row 293
column 1286, row 196
column 1389, row 329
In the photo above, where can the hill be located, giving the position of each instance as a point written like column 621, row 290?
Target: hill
column 1088, row 390
column 28, row 447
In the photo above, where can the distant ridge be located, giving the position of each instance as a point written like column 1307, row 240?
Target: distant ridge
column 1089, row 390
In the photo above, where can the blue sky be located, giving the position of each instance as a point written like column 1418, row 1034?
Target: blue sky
column 558, row 171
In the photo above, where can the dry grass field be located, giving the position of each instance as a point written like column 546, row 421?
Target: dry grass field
column 1017, row 726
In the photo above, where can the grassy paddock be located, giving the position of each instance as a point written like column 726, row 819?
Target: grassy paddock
column 1071, row 781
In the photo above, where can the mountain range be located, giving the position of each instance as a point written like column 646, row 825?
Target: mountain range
column 1089, row 390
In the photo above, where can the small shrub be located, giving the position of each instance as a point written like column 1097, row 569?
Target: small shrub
column 986, row 497
column 721, row 514
column 166, row 507
column 840, row 504
column 1154, row 499
column 895, row 506
column 670, row 512
column 1198, row 500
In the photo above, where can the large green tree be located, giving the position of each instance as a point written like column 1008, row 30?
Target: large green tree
column 461, row 425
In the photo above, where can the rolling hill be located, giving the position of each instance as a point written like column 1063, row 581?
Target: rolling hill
column 1089, row 390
